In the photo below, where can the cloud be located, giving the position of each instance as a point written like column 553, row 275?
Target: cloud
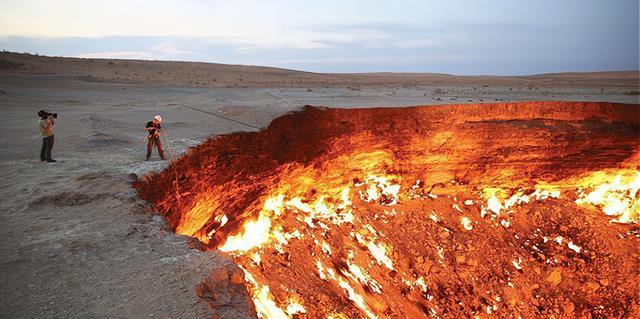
column 416, row 43
column 377, row 35
column 250, row 46
column 168, row 48
column 134, row 55
column 160, row 51
column 342, row 60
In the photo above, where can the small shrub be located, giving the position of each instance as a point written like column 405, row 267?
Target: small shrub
column 439, row 91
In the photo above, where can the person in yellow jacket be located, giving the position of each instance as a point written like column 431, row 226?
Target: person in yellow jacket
column 45, row 125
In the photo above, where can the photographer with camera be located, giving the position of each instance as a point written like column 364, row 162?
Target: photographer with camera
column 45, row 124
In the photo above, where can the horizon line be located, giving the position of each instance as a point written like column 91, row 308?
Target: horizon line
column 304, row 71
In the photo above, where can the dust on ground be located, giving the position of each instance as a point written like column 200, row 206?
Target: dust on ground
column 78, row 243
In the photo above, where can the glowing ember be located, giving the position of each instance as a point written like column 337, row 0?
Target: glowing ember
column 449, row 211
column 294, row 308
column 466, row 223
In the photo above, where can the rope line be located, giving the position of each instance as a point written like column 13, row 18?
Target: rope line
column 220, row 116
column 166, row 138
column 175, row 169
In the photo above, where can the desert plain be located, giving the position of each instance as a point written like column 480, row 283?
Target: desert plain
column 78, row 242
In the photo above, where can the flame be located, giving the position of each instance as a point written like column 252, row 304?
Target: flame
column 331, row 206
column 196, row 217
column 335, row 207
column 356, row 272
column 256, row 233
column 494, row 198
column 357, row 299
column 379, row 252
column 615, row 192
column 266, row 307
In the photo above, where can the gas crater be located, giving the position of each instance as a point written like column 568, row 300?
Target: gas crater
column 505, row 210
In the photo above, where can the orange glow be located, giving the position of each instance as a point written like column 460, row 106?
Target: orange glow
column 444, row 212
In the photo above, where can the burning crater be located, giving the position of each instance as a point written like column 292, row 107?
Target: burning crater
column 508, row 210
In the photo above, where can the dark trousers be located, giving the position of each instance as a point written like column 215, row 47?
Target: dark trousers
column 47, row 146
column 154, row 140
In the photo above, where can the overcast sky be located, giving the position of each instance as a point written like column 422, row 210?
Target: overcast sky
column 502, row 37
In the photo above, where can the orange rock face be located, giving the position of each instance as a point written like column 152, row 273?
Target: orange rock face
column 509, row 209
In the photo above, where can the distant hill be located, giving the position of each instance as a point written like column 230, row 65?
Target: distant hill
column 225, row 75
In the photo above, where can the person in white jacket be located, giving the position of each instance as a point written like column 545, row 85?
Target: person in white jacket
column 153, row 136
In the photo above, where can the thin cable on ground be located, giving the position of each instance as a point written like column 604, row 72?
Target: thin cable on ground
column 220, row 116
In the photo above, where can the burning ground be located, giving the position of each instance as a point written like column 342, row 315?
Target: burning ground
column 508, row 210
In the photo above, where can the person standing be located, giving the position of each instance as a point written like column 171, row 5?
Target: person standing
column 153, row 137
column 45, row 124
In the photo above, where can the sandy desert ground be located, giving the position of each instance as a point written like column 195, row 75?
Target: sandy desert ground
column 77, row 242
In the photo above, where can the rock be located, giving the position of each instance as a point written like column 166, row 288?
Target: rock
column 464, row 274
column 569, row 307
column 511, row 296
column 593, row 286
column 194, row 243
column 555, row 277
column 236, row 277
column 428, row 265
column 378, row 304
column 226, row 287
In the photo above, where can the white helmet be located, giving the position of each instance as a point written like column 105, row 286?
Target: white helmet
column 158, row 118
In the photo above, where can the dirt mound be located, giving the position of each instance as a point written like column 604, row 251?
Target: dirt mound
column 9, row 65
column 67, row 199
column 507, row 209
column 98, row 139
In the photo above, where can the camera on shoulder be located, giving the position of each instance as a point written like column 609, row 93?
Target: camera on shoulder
column 44, row 114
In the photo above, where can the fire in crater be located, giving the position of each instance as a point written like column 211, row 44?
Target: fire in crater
column 509, row 210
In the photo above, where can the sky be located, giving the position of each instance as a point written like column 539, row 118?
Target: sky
column 463, row 37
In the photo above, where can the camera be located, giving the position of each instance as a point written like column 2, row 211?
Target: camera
column 45, row 114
